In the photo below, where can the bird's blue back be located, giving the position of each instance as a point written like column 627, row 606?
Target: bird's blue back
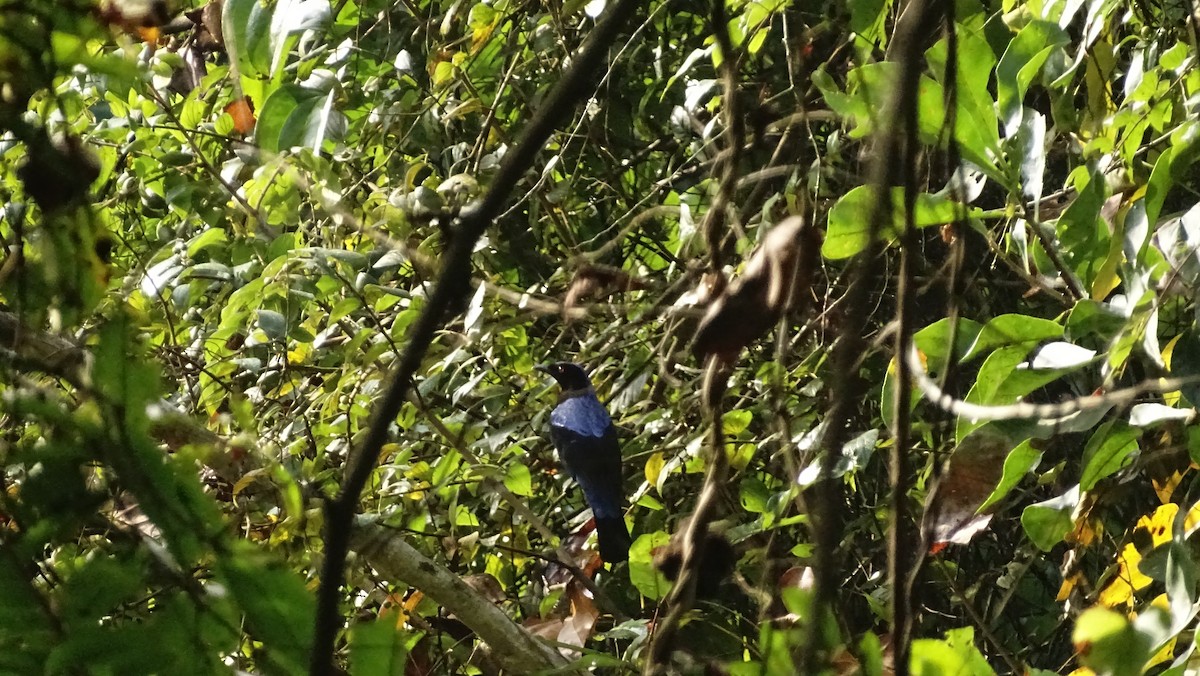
column 583, row 415
column 586, row 441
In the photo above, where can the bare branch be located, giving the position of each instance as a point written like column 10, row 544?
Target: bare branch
column 511, row 645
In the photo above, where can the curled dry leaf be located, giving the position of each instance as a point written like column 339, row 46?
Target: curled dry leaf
column 971, row 474
column 776, row 279
column 207, row 35
column 571, row 624
column 717, row 561
column 597, row 281
column 242, row 112
column 800, row 577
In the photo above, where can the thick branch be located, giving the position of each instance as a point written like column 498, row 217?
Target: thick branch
column 511, row 645
column 906, row 51
column 917, row 19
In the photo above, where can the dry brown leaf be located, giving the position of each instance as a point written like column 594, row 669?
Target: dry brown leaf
column 242, row 112
column 599, row 281
column 971, row 474
column 775, row 279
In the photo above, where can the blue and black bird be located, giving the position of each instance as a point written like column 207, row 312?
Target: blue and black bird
column 586, row 442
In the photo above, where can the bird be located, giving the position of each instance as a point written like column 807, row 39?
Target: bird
column 583, row 434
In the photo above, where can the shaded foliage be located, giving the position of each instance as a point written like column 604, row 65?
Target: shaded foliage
column 221, row 225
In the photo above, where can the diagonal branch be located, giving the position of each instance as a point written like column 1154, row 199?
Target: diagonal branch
column 452, row 285
column 511, row 645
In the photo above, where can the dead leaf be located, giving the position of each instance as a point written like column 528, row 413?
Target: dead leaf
column 572, row 628
column 207, row 35
column 242, row 112
column 971, row 474
column 599, row 281
column 800, row 577
column 775, row 279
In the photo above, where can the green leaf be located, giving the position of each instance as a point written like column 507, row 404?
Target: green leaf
column 850, row 219
column 1020, row 461
column 311, row 122
column 1091, row 318
column 209, row 237
column 26, row 631
column 870, row 90
column 294, row 116
column 1061, row 355
column 754, row 495
column 1111, row 448
column 246, row 25
column 1001, row 382
column 1012, row 329
column 957, row 654
column 380, row 647
column 299, row 16
column 278, row 608
column 518, row 479
column 976, row 128
column 1083, row 235
column 642, row 573
column 1108, row 643
column 98, row 586
column 1021, row 62
column 343, row 308
column 273, row 324
column 736, row 422
column 1151, row 415
column 934, row 341
column 1048, row 522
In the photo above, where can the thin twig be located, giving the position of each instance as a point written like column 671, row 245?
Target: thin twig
column 735, row 138
column 1052, row 414
column 683, row 593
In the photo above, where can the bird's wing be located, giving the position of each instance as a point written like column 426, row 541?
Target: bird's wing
column 586, row 442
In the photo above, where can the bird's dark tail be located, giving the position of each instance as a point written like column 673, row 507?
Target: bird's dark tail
column 614, row 539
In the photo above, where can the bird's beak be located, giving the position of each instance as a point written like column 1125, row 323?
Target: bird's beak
column 544, row 368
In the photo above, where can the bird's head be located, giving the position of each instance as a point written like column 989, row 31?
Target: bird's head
column 569, row 376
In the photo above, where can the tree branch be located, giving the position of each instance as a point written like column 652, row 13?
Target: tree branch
column 514, row 648
column 683, row 593
column 452, row 285
column 917, row 19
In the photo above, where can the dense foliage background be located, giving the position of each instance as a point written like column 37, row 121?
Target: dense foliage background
column 269, row 265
